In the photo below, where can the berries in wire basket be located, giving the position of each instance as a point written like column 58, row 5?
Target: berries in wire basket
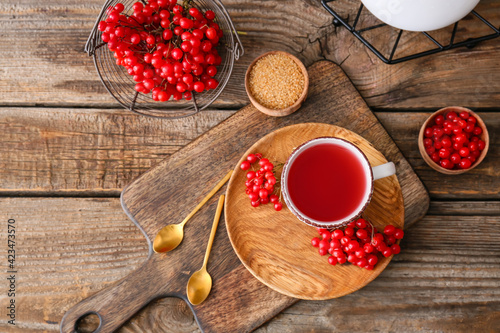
column 170, row 50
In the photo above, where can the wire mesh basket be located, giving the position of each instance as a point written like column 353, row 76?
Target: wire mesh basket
column 120, row 84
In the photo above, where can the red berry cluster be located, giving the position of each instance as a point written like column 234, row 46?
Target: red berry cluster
column 453, row 140
column 168, row 49
column 260, row 184
column 359, row 243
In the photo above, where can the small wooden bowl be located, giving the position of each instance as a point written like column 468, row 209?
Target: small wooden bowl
column 483, row 136
column 278, row 112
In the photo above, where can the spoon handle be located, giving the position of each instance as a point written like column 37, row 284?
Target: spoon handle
column 214, row 229
column 209, row 195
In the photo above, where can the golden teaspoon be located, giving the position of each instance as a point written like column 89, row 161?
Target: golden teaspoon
column 200, row 283
column 170, row 236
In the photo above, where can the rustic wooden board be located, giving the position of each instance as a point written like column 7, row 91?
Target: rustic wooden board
column 431, row 286
column 42, row 60
column 276, row 248
column 166, row 193
column 96, row 152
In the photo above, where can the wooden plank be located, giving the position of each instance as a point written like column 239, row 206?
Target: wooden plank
column 66, row 250
column 465, row 208
column 42, row 59
column 481, row 182
column 69, row 248
column 87, row 152
column 69, row 151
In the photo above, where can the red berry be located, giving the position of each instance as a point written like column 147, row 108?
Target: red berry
column 349, row 232
column 439, row 119
column 372, row 259
column 194, row 12
column 396, row 249
column 455, row 158
column 345, row 240
column 399, row 234
column 252, row 158
column 387, row 252
column 324, row 244
column 274, row 198
column 245, row 165
column 326, row 235
column 250, row 174
column 390, row 240
column 353, row 245
column 481, row 144
column 186, row 23
column 199, row 87
column 210, row 15
column 465, row 163
column 338, row 234
column 338, row 253
column 315, row 242
column 451, row 115
column 446, row 164
column 322, row 251
column 464, row 151
column 263, row 193
column 368, row 248
column 332, row 260
column 360, row 253
column 464, row 114
column 263, row 161
column 362, row 262
column 389, row 230
column 253, row 196
column 361, row 234
column 352, row 258
column 361, row 223
column 211, row 33
column 435, row 157
column 334, row 244
column 444, row 153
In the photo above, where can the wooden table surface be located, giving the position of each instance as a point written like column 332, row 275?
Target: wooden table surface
column 67, row 149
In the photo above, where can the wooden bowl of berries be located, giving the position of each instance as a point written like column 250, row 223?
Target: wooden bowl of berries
column 163, row 59
column 453, row 140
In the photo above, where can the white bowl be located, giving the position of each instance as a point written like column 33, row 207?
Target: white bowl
column 420, row 15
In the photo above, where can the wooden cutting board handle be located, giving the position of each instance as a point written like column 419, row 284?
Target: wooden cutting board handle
column 117, row 303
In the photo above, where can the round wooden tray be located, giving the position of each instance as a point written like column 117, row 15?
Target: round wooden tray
column 276, row 247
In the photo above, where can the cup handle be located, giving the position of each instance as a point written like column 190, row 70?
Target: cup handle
column 384, row 170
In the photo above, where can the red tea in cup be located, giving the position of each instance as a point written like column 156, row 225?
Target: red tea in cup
column 328, row 182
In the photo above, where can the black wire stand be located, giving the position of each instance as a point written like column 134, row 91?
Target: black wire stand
column 389, row 58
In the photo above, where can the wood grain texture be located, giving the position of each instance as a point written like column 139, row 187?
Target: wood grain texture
column 67, row 249
column 87, row 152
column 293, row 267
column 155, row 194
column 42, row 59
column 433, row 285
column 69, row 151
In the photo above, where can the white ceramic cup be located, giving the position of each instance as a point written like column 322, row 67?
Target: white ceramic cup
column 420, row 15
column 371, row 174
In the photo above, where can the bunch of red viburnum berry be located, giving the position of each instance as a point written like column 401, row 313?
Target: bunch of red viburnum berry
column 359, row 243
column 170, row 50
